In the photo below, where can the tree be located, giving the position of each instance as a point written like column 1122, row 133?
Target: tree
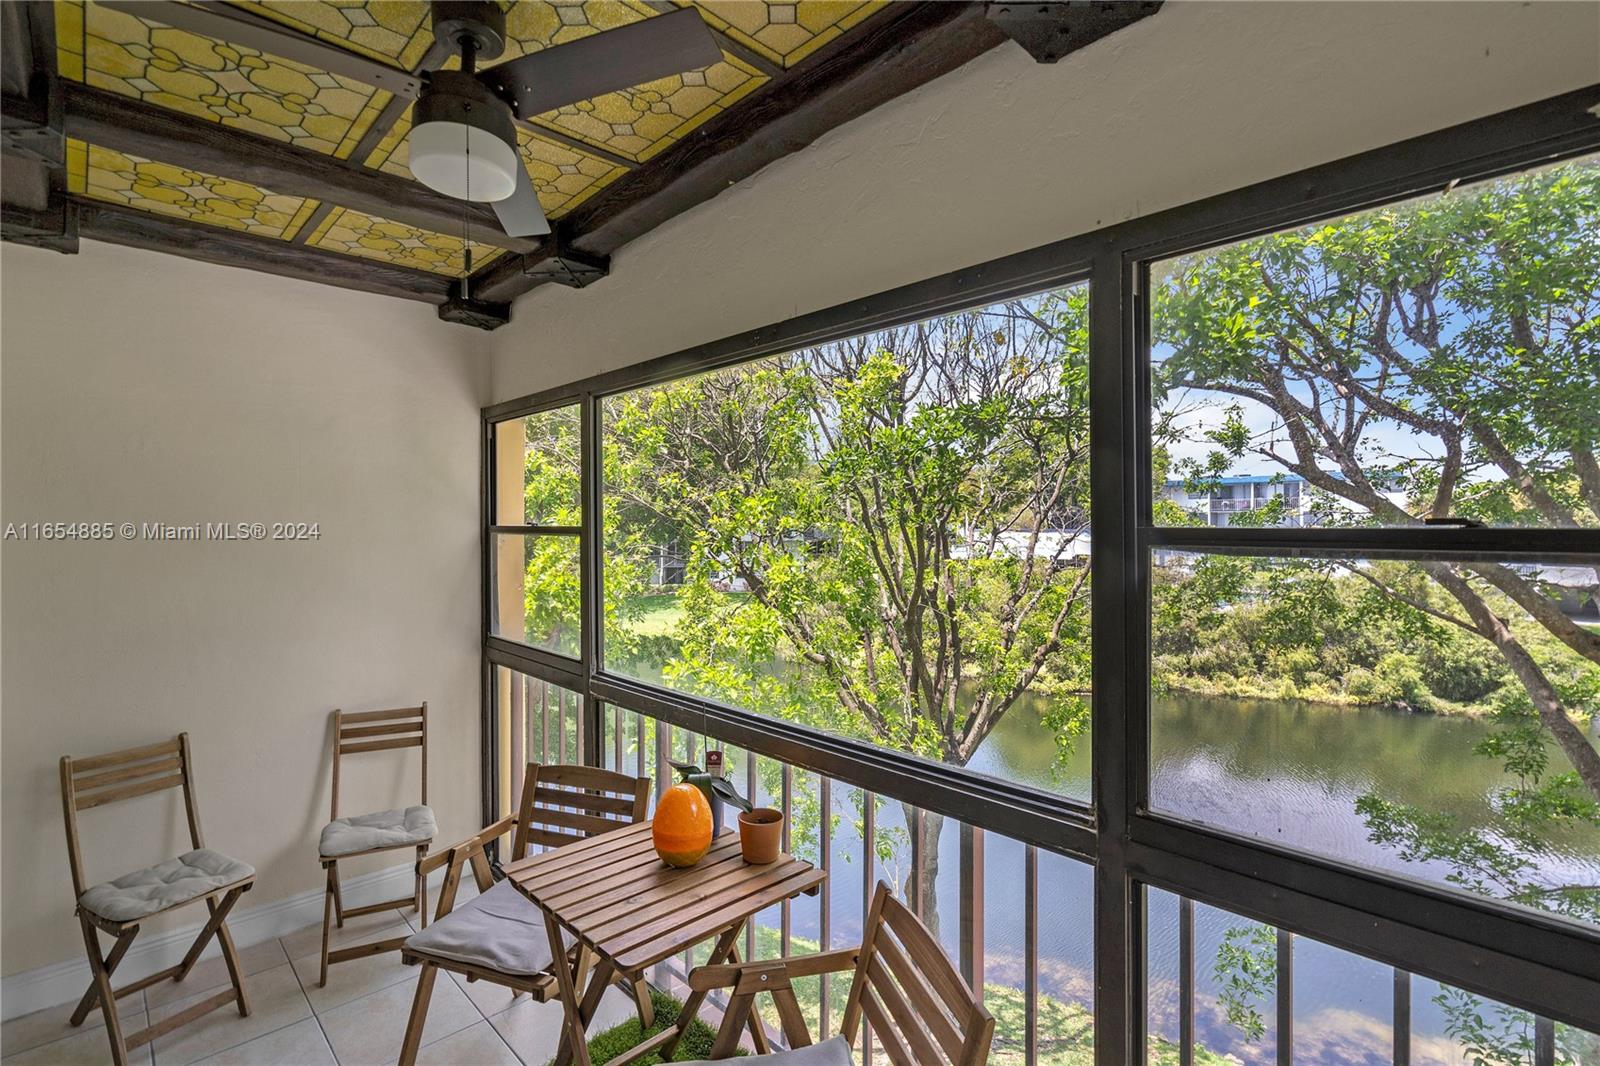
column 879, row 531
column 1434, row 360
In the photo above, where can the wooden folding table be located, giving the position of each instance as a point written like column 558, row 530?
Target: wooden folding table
column 630, row 910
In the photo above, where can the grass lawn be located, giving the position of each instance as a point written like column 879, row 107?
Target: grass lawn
column 696, row 1043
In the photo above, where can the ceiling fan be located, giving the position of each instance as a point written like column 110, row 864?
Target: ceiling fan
column 463, row 133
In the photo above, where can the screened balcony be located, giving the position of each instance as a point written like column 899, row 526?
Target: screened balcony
column 1226, row 792
column 1121, row 481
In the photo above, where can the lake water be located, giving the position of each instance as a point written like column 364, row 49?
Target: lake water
column 1281, row 770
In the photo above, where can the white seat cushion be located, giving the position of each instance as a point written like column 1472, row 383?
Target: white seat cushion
column 500, row 930
column 166, row 884
column 832, row 1052
column 382, row 829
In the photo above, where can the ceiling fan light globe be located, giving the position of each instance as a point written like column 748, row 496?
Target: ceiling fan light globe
column 466, row 162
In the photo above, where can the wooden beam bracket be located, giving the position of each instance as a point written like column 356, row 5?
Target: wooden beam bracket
column 55, row 227
column 34, row 126
column 481, row 314
column 1051, row 30
column 567, row 266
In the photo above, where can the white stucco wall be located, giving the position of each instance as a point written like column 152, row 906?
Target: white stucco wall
column 146, row 388
column 1005, row 154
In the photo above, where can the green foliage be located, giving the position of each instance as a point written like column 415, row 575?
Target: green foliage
column 860, row 524
column 1233, row 625
column 1493, row 1034
column 1478, row 859
column 696, row 1043
column 1245, row 969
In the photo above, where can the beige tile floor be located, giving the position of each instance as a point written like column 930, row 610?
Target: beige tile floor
column 357, row 1020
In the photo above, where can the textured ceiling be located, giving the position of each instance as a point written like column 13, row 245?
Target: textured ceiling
column 572, row 153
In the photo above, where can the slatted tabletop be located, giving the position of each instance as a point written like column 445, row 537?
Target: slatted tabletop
column 615, row 894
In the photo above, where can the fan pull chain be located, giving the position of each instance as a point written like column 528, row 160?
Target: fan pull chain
column 466, row 227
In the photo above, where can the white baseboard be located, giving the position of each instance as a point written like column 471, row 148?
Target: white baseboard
column 47, row 986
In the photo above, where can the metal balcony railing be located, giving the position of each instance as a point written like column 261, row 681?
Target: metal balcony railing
column 1040, row 993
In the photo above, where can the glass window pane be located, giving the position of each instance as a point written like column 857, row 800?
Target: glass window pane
column 1429, row 719
column 1344, row 1005
column 1451, row 1026
column 536, row 590
column 536, row 465
column 1425, row 359
column 884, row 537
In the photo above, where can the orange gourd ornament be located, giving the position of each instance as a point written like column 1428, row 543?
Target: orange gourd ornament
column 682, row 826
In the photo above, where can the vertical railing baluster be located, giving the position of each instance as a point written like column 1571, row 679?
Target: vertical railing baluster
column 1544, row 1042
column 1285, row 998
column 518, row 727
column 869, row 851
column 825, row 924
column 544, row 722
column 1185, row 981
column 638, row 744
column 786, row 923
column 750, row 794
column 1402, row 1017
column 1030, row 954
column 663, row 757
column 616, row 738
column 972, row 906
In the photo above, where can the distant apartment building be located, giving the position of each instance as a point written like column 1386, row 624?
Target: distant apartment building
column 1225, row 497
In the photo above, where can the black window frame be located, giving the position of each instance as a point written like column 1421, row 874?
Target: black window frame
column 1542, row 963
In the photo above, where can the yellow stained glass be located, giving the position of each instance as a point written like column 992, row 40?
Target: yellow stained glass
column 634, row 123
column 563, row 177
column 394, row 31
column 784, row 33
column 639, row 123
column 354, row 233
column 164, row 189
column 230, row 84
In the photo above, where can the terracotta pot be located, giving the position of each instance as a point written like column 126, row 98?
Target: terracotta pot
column 760, row 831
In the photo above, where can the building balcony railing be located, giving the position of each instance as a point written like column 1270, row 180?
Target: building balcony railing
column 1017, row 918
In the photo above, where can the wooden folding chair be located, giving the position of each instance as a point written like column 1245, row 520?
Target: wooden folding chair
column 498, row 935
column 120, row 905
column 369, row 834
column 922, row 1013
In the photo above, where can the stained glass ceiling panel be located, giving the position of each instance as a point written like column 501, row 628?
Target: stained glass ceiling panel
column 396, row 243
column 213, row 80
column 397, row 32
column 784, row 33
column 639, row 123
column 583, row 149
column 179, row 192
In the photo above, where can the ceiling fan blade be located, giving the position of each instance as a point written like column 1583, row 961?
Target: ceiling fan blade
column 241, row 27
column 520, row 214
column 592, row 66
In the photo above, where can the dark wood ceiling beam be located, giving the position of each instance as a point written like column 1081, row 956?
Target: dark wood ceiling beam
column 124, row 124
column 432, row 59
column 885, row 57
column 212, row 244
column 33, row 141
column 54, row 227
